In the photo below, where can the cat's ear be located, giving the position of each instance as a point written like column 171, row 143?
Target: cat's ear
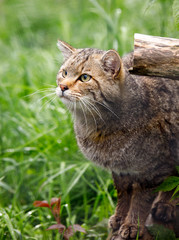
column 111, row 62
column 66, row 49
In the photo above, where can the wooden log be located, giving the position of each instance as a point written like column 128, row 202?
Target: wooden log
column 156, row 56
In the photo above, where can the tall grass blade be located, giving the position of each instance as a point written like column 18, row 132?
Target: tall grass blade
column 8, row 222
column 106, row 190
column 100, row 10
column 6, row 187
column 176, row 12
column 49, row 180
column 79, row 172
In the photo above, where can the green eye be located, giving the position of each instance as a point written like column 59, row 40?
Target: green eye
column 64, row 73
column 85, row 77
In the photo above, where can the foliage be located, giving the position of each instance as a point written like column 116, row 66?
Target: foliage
column 161, row 233
column 39, row 155
column 170, row 184
column 55, row 206
column 8, row 222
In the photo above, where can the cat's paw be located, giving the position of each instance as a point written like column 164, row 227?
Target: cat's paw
column 131, row 231
column 114, row 222
column 164, row 212
column 116, row 237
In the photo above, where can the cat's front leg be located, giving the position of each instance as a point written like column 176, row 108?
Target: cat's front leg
column 140, row 205
column 123, row 203
column 124, row 194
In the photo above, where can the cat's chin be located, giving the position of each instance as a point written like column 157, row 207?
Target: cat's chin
column 65, row 100
column 66, row 97
column 70, row 104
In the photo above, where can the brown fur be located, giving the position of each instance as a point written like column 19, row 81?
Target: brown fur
column 129, row 125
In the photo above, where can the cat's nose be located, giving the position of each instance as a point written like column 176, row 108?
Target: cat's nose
column 63, row 87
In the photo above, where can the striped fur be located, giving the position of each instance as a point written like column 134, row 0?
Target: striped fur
column 125, row 123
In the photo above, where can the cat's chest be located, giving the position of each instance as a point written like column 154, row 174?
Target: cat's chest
column 105, row 149
column 130, row 153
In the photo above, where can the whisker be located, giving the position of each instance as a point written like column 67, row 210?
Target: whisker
column 88, row 108
column 94, row 108
column 75, row 111
column 48, row 102
column 46, row 96
column 86, row 123
column 54, row 86
column 105, row 106
column 70, row 108
column 41, row 91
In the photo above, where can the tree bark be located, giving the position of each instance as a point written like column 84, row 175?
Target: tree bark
column 156, row 56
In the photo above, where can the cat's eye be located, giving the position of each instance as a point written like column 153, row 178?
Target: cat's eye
column 85, row 77
column 64, row 73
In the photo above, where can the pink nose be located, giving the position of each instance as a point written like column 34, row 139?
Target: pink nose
column 63, row 87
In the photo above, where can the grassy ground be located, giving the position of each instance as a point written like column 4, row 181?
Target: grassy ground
column 39, row 155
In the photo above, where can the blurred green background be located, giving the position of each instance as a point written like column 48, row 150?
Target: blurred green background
column 39, row 155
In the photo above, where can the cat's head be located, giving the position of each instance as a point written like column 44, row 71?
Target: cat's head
column 88, row 76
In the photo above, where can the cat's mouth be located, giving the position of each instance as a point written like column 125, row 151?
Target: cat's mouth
column 62, row 94
column 66, row 96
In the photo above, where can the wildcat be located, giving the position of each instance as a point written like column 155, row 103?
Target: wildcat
column 127, row 124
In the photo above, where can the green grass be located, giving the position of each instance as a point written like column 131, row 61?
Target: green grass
column 39, row 155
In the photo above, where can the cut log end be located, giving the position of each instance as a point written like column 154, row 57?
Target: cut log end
column 156, row 56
